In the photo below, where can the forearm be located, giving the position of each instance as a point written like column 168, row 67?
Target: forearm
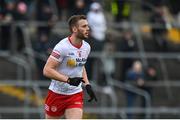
column 88, row 86
column 85, row 78
column 53, row 74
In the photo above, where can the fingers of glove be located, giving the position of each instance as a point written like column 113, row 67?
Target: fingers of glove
column 75, row 81
column 78, row 78
column 91, row 93
column 92, row 98
column 74, row 84
column 95, row 98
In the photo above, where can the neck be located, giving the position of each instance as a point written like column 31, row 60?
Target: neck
column 75, row 41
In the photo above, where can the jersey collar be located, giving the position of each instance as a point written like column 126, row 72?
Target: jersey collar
column 76, row 46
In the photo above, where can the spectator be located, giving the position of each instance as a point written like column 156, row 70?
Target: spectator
column 13, row 11
column 97, row 23
column 121, row 9
column 62, row 6
column 136, row 77
column 2, row 9
column 80, row 7
column 161, row 21
column 7, row 16
column 20, row 15
column 10, row 10
column 139, row 77
column 157, row 18
column 44, row 14
column 41, row 47
column 128, row 44
column 150, row 75
column 98, row 26
column 21, row 12
column 174, row 6
column 108, row 63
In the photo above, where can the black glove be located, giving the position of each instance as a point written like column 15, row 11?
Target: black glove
column 75, row 81
column 90, row 93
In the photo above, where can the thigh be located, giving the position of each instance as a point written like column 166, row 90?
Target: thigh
column 51, row 117
column 73, row 113
column 74, row 108
column 55, row 105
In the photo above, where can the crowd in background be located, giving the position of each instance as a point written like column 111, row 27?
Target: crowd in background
column 164, row 13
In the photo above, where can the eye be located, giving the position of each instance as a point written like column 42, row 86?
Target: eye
column 87, row 26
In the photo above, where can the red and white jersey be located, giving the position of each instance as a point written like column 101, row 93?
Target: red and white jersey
column 72, row 59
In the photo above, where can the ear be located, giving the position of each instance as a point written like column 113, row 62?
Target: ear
column 74, row 29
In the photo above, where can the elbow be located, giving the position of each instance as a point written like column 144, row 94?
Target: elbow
column 45, row 72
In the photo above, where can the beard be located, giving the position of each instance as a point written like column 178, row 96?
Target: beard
column 81, row 36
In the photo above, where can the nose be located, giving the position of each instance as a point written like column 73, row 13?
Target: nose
column 88, row 28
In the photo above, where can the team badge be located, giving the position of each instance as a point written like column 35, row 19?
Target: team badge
column 71, row 62
column 53, row 108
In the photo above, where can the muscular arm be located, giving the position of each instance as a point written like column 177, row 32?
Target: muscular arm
column 88, row 86
column 50, row 70
column 85, row 78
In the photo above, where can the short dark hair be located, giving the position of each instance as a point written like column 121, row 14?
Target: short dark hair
column 72, row 21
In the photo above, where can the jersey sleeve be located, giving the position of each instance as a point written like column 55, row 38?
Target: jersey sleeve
column 58, row 53
column 89, row 49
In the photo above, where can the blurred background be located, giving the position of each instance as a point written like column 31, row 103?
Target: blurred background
column 134, row 64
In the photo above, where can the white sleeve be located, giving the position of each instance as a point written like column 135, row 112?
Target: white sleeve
column 89, row 49
column 58, row 53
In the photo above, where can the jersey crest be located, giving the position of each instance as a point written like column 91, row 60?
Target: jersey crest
column 71, row 62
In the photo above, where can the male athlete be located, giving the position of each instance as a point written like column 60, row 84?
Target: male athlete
column 65, row 67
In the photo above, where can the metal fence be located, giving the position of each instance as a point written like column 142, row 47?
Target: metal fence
column 101, row 109
column 26, row 64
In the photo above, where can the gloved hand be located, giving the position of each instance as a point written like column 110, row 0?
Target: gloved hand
column 90, row 93
column 75, row 81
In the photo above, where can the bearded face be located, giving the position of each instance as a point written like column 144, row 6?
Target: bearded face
column 82, row 29
column 81, row 35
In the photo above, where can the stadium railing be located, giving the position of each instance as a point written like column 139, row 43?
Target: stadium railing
column 102, row 110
